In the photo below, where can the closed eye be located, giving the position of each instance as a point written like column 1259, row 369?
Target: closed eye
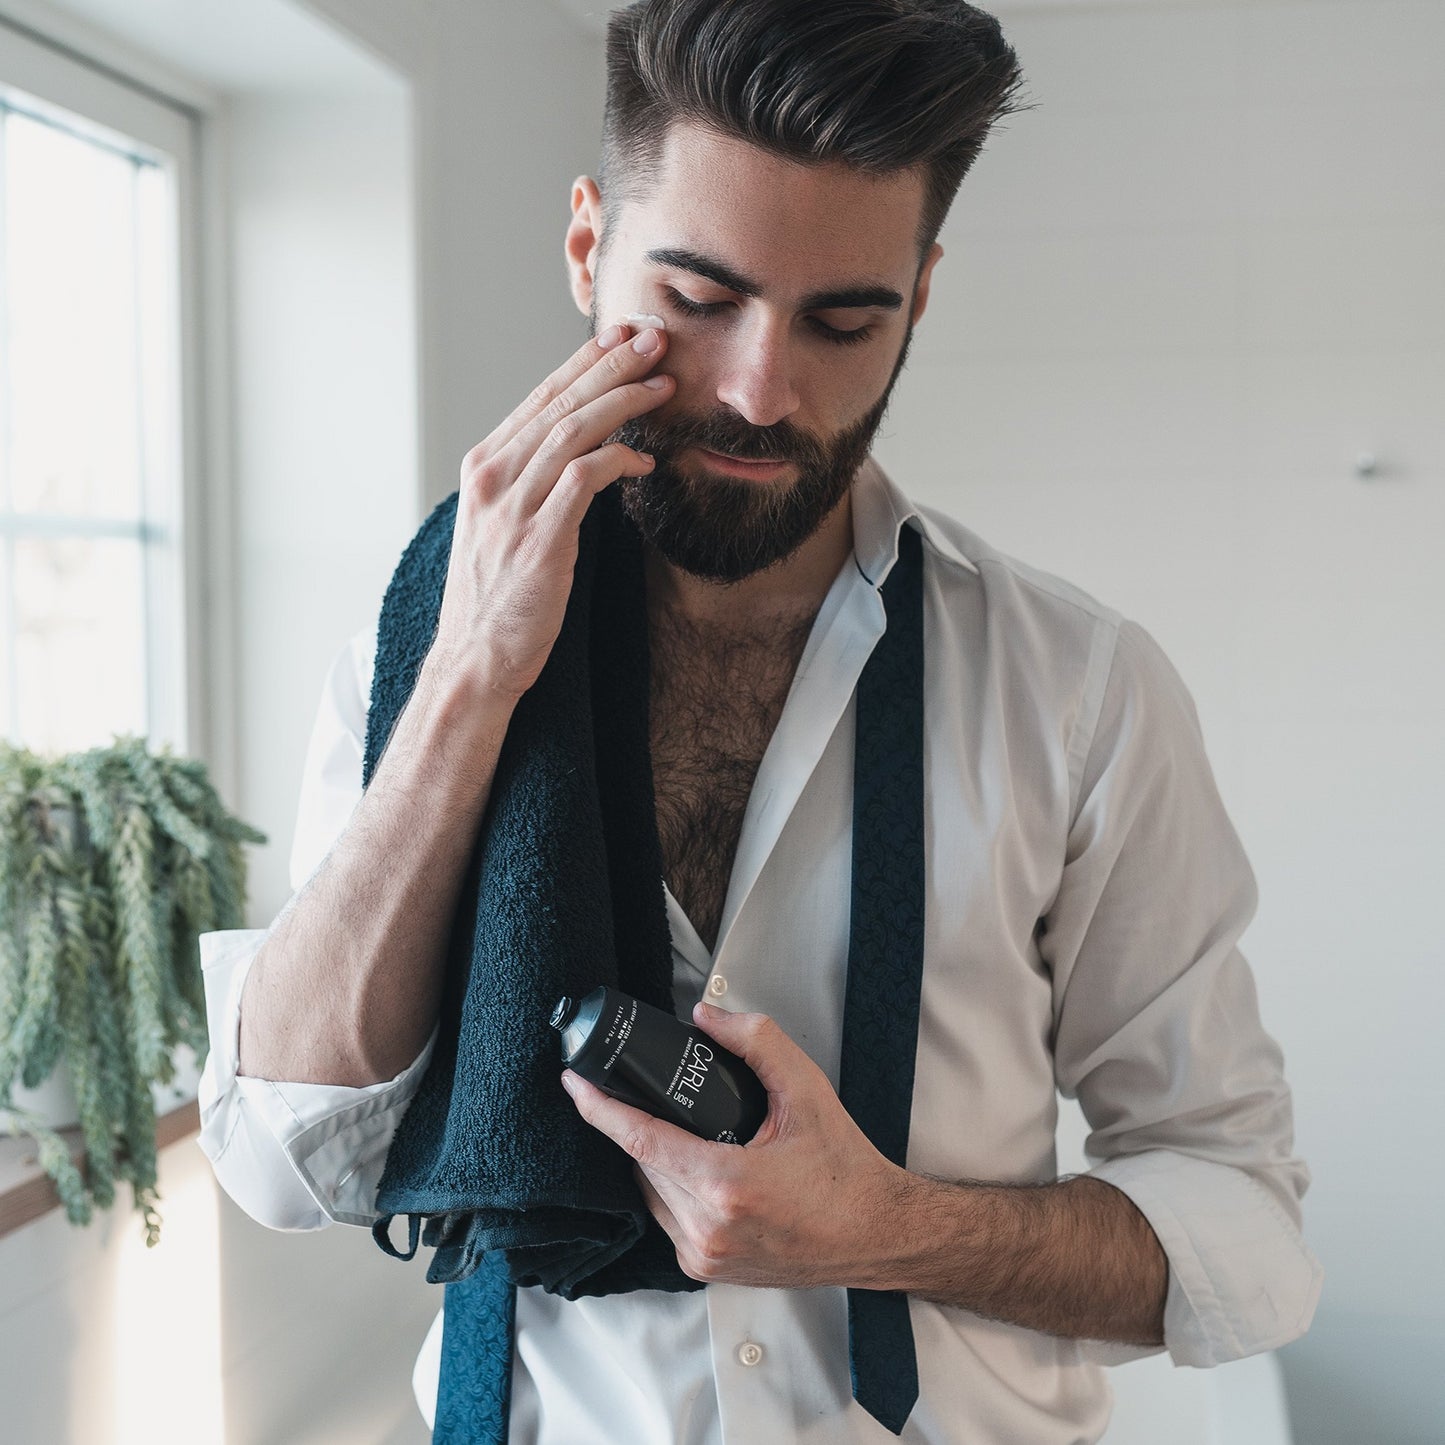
column 834, row 333
column 686, row 306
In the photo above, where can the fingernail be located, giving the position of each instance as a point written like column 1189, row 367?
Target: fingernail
column 708, row 1011
column 568, row 1083
column 647, row 343
column 655, row 382
column 610, row 338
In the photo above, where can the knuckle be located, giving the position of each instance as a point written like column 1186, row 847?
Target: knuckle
column 484, row 473
column 637, row 1144
column 712, row 1250
column 692, row 1266
column 554, row 411
column 759, row 1026
column 567, row 433
column 621, row 360
column 574, row 474
column 732, row 1203
column 540, row 396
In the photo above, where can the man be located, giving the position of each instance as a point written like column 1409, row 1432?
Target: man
column 775, row 177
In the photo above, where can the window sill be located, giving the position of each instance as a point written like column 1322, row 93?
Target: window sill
column 27, row 1192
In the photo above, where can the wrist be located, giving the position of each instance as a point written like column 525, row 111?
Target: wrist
column 462, row 692
column 907, row 1221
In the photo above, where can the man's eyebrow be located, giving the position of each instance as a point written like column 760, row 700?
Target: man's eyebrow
column 706, row 267
column 845, row 297
column 837, row 298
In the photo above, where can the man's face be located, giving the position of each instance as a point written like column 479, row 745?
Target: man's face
column 789, row 294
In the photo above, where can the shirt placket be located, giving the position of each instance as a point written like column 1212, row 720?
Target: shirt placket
column 753, row 1331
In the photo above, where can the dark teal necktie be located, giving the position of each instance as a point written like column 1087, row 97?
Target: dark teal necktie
column 885, row 954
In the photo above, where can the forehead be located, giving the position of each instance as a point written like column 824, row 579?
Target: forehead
column 774, row 218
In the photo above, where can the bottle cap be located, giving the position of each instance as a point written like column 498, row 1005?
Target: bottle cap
column 564, row 1013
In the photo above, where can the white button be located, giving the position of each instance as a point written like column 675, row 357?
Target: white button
column 717, row 985
column 749, row 1353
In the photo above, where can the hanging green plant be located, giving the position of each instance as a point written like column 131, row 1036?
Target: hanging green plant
column 112, row 862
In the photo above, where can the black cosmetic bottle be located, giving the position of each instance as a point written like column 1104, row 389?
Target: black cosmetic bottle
column 650, row 1059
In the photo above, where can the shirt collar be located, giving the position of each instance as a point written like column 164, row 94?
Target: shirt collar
column 879, row 511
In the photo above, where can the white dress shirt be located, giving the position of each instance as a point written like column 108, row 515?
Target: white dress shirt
column 1085, row 895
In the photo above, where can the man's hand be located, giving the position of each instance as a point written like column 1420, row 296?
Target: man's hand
column 804, row 1203
column 809, row 1202
column 524, row 491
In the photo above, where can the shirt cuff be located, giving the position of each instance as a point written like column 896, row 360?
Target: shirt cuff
column 292, row 1155
column 1241, row 1278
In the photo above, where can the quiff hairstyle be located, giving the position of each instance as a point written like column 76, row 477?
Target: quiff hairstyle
column 883, row 85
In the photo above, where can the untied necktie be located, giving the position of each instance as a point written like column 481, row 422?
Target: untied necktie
column 885, row 954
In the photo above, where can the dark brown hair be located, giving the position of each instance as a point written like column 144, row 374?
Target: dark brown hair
column 883, row 85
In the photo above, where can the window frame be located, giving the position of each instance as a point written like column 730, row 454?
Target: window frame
column 43, row 79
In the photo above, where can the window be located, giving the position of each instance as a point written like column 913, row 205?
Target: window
column 93, row 440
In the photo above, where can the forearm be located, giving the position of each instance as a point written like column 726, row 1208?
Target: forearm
column 347, row 986
column 1075, row 1258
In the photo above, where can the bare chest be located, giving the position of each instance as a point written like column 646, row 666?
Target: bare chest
column 713, row 713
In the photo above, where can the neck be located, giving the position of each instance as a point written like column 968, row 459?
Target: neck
column 790, row 590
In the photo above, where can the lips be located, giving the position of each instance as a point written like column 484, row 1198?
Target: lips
column 740, row 466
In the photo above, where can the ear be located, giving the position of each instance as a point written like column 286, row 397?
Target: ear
column 925, row 272
column 584, row 235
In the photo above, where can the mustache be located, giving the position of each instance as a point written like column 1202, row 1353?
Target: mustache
column 727, row 433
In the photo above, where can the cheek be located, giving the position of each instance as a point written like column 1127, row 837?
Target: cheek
column 695, row 361
column 835, row 384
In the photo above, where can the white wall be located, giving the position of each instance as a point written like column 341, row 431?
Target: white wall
column 323, row 417
column 1177, row 300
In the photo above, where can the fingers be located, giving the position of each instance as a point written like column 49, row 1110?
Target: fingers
column 659, row 1147
column 573, row 386
column 582, row 360
column 580, row 419
column 657, row 1206
column 781, row 1066
column 580, row 434
column 581, row 479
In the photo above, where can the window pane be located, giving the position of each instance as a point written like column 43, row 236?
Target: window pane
column 79, row 651
column 70, row 286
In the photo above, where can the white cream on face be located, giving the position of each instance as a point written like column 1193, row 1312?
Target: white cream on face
column 641, row 320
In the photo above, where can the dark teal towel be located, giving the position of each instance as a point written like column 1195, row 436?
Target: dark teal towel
column 563, row 892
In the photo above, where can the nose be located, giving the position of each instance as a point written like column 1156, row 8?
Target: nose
column 757, row 380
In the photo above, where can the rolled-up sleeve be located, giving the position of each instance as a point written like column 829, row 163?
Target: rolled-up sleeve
column 293, row 1155
column 1157, row 1029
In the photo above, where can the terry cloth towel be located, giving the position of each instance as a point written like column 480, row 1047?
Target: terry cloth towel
column 563, row 892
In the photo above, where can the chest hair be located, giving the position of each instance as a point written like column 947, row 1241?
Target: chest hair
column 715, row 702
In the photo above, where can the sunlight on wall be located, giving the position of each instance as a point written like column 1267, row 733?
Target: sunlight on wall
column 168, row 1315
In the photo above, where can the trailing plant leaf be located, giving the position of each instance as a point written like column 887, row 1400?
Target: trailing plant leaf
column 34, row 1040
column 112, row 863
column 55, row 1160
column 139, row 948
column 78, row 1026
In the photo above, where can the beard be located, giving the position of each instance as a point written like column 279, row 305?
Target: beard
column 721, row 528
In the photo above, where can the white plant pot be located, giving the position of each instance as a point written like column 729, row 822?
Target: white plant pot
column 53, row 1099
